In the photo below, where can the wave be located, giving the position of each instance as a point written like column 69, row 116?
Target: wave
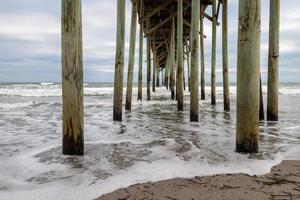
column 50, row 83
column 53, row 90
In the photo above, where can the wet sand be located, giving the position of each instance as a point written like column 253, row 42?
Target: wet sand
column 282, row 183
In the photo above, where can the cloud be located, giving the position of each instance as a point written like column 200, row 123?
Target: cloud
column 30, row 40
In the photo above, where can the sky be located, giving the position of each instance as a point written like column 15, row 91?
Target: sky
column 30, row 49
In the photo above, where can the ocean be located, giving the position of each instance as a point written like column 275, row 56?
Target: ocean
column 154, row 142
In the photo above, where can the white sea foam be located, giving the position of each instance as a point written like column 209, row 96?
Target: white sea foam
column 50, row 89
column 154, row 142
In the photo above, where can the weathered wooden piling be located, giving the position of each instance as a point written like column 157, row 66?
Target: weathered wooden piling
column 213, row 53
column 140, row 71
column 131, row 56
column 248, row 76
column 72, row 78
column 172, row 66
column 226, row 94
column 202, row 54
column 154, row 69
column 148, row 67
column 163, row 77
column 157, row 78
column 261, row 102
column 119, row 62
column 194, row 98
column 274, row 29
column 179, row 80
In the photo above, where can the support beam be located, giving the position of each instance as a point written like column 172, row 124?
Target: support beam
column 213, row 54
column 172, row 66
column 157, row 77
column 163, row 77
column 272, row 108
column 179, row 79
column 148, row 67
column 194, row 98
column 202, row 55
column 261, row 103
column 140, row 72
column 72, row 78
column 226, row 94
column 154, row 68
column 157, row 10
column 248, row 76
column 131, row 57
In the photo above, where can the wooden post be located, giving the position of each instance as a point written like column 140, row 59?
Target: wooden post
column 119, row 62
column 248, row 76
column 194, row 98
column 131, row 57
column 261, row 103
column 225, row 55
column 167, row 73
column 172, row 71
column 272, row 108
column 179, row 80
column 189, row 68
column 148, row 67
column 157, row 76
column 163, row 77
column 72, row 78
column 213, row 53
column 154, row 68
column 202, row 54
column 184, row 79
column 140, row 72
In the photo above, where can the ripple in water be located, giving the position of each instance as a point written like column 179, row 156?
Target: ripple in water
column 153, row 142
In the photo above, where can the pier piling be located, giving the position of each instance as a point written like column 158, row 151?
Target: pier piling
column 248, row 76
column 131, row 57
column 226, row 97
column 119, row 62
column 273, row 79
column 179, row 79
column 213, row 53
column 194, row 98
column 72, row 78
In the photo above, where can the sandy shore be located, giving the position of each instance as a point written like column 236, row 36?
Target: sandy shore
column 283, row 183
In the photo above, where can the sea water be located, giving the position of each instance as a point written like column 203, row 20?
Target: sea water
column 154, row 142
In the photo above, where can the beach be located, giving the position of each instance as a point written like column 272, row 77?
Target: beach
column 283, row 182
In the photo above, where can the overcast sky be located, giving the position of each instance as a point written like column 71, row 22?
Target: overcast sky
column 30, row 40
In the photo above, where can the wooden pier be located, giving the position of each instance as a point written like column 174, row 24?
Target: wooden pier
column 175, row 35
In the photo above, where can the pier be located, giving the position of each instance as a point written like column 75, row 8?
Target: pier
column 175, row 35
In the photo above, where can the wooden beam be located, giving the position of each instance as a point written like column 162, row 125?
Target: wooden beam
column 189, row 25
column 131, row 58
column 179, row 79
column 194, row 98
column 248, row 73
column 273, row 80
column 72, row 78
column 172, row 52
column 119, row 62
column 141, row 48
column 140, row 72
column 213, row 54
column 157, row 10
column 202, row 56
column 226, row 95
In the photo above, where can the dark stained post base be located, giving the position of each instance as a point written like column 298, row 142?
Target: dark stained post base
column 249, row 146
column 70, row 147
column 272, row 116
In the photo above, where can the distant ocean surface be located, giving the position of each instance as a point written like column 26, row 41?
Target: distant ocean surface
column 154, row 141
